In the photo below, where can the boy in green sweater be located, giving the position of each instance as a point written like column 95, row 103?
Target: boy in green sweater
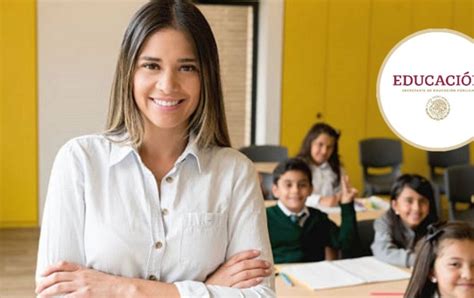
column 303, row 234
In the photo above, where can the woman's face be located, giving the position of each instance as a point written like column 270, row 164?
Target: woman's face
column 322, row 148
column 412, row 207
column 454, row 268
column 166, row 82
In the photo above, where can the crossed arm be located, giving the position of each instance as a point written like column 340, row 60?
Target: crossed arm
column 242, row 270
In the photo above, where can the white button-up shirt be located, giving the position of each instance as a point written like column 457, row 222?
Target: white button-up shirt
column 323, row 184
column 105, row 210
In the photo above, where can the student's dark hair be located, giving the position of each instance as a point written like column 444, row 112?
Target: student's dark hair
column 208, row 122
column 422, row 186
column 428, row 250
column 334, row 160
column 292, row 164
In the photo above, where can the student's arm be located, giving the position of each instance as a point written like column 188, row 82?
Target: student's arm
column 346, row 238
column 385, row 249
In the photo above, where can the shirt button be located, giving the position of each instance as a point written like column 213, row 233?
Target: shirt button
column 158, row 245
column 152, row 277
column 164, row 211
column 169, row 179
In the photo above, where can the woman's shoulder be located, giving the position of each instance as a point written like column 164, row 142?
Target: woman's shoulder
column 92, row 146
column 87, row 142
column 229, row 156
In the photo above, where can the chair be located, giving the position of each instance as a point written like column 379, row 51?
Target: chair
column 366, row 234
column 459, row 181
column 266, row 153
column 380, row 153
column 439, row 161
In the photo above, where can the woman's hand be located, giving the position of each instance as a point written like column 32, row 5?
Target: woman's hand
column 348, row 192
column 75, row 280
column 242, row 270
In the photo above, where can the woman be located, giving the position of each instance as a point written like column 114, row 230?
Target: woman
column 159, row 204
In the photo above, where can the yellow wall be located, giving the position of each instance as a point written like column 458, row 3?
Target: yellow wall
column 333, row 50
column 18, row 132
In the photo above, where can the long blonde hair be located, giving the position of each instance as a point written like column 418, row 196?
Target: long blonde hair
column 208, row 123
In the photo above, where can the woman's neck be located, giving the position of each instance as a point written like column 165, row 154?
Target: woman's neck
column 161, row 148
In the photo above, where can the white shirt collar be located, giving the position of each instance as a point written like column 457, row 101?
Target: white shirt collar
column 287, row 212
column 121, row 150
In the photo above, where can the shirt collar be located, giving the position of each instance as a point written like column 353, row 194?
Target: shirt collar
column 288, row 212
column 121, row 150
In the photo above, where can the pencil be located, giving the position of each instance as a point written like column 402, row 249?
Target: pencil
column 286, row 279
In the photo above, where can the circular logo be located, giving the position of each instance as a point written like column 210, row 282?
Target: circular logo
column 437, row 108
column 425, row 89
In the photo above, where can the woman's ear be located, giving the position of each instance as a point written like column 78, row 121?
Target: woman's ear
column 432, row 277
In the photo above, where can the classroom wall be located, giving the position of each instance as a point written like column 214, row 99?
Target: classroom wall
column 18, row 133
column 333, row 50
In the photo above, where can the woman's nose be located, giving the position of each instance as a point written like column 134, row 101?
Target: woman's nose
column 167, row 82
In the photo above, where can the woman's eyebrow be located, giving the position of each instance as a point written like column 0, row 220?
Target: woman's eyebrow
column 154, row 59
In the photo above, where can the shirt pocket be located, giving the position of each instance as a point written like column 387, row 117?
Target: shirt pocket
column 203, row 241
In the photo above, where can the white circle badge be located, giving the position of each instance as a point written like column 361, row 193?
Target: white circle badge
column 425, row 89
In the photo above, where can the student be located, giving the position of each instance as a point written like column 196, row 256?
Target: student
column 303, row 234
column 159, row 205
column 445, row 263
column 412, row 209
column 320, row 150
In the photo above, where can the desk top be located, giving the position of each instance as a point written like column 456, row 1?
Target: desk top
column 391, row 289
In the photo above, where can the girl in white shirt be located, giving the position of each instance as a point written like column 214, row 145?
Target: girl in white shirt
column 320, row 150
column 159, row 205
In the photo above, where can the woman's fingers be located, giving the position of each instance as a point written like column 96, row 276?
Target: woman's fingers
column 248, row 283
column 53, row 279
column 249, row 275
column 61, row 266
column 241, row 256
column 57, row 289
column 247, row 265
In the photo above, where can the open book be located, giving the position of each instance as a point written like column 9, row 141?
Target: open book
column 341, row 273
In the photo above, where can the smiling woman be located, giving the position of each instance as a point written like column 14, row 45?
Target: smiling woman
column 158, row 205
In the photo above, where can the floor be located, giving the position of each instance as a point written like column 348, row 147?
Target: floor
column 18, row 248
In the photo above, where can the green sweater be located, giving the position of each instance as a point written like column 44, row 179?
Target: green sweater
column 292, row 243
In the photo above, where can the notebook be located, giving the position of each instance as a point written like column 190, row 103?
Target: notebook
column 341, row 273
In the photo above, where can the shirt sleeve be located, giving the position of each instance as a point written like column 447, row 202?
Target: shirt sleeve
column 346, row 238
column 247, row 228
column 385, row 249
column 62, row 229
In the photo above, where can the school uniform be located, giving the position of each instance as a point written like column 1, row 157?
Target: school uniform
column 306, row 239
column 384, row 247
column 324, row 183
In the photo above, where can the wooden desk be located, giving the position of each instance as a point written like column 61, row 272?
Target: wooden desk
column 336, row 217
column 365, row 290
column 265, row 167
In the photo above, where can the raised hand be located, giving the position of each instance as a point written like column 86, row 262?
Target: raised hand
column 242, row 270
column 348, row 193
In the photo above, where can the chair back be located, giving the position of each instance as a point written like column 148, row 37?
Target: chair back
column 265, row 153
column 442, row 160
column 380, row 153
column 366, row 235
column 459, row 181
